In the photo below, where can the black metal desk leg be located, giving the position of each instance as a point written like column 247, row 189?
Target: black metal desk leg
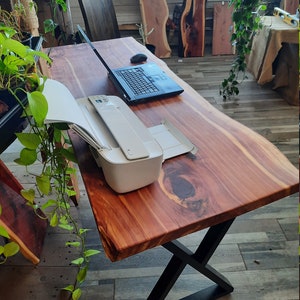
column 198, row 260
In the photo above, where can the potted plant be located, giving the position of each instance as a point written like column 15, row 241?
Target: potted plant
column 16, row 19
column 17, row 71
column 23, row 85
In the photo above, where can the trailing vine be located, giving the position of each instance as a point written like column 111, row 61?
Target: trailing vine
column 246, row 21
column 47, row 147
column 45, row 143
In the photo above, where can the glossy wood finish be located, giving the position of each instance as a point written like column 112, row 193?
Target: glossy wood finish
column 99, row 19
column 234, row 171
column 257, row 255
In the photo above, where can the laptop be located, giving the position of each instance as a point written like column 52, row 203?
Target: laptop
column 138, row 83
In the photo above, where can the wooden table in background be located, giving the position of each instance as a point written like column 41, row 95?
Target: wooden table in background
column 234, row 171
column 271, row 42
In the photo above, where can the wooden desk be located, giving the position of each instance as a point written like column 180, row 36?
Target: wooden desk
column 234, row 171
column 266, row 46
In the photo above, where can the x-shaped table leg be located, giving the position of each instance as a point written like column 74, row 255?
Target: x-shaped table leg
column 182, row 256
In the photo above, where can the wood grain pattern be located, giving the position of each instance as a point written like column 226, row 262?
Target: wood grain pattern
column 8, row 178
column 22, row 223
column 270, row 232
column 155, row 14
column 222, row 29
column 234, row 171
column 192, row 28
column 100, row 19
column 291, row 6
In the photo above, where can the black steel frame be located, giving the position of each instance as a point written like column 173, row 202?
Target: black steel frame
column 182, row 256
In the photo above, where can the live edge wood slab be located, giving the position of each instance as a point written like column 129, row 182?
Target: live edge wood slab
column 192, row 29
column 234, row 171
column 155, row 16
column 23, row 225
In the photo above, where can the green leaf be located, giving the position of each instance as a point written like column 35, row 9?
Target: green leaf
column 9, row 32
column 83, row 230
column 49, row 203
column 224, row 83
column 49, row 25
column 41, row 54
column 68, row 154
column 29, row 195
column 65, row 205
column 63, row 220
column 69, row 288
column 27, row 157
column 43, row 183
column 66, row 227
column 73, row 244
column 1, row 250
column 81, row 275
column 11, row 249
column 57, row 135
column 78, row 261
column 38, row 106
column 76, row 294
column 29, row 140
column 54, row 220
column 70, row 193
column 16, row 47
column 3, row 232
column 91, row 252
column 263, row 7
column 71, row 171
column 63, row 4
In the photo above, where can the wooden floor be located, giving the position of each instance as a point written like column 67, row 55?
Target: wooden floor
column 259, row 255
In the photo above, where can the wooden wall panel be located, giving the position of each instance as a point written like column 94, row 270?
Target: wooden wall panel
column 222, row 29
column 192, row 29
column 291, row 6
column 127, row 11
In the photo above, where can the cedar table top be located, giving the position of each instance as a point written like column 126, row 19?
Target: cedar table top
column 234, row 171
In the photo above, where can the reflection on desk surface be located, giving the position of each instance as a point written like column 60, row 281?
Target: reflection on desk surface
column 235, row 170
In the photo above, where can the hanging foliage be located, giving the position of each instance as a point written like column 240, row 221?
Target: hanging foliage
column 246, row 19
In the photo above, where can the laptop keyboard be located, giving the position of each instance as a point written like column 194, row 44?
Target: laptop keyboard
column 136, row 80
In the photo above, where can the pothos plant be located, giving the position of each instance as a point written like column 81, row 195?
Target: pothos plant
column 8, row 249
column 247, row 20
column 49, row 24
column 45, row 144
